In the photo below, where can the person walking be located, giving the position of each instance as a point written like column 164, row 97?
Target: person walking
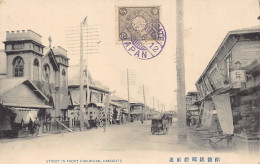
column 36, row 127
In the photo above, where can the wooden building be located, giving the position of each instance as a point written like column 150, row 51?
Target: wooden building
column 124, row 107
column 21, row 102
column 229, row 86
column 46, row 68
column 137, row 110
column 27, row 57
column 192, row 109
column 95, row 104
column 115, row 113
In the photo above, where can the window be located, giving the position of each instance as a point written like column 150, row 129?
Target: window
column 36, row 62
column 228, row 65
column 36, row 48
column 101, row 98
column 46, row 71
column 63, row 72
column 208, row 85
column 18, row 67
column 63, row 78
column 36, row 69
column 17, row 46
column 217, row 79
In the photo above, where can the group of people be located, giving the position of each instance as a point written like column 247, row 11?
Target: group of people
column 34, row 127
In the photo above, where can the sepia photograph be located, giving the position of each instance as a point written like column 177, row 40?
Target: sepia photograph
column 129, row 81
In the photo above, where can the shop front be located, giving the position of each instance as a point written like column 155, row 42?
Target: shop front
column 19, row 114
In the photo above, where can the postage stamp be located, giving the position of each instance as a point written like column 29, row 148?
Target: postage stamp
column 135, row 17
column 142, row 34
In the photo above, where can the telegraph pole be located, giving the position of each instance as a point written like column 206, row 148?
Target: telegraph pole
column 153, row 102
column 77, row 36
column 87, row 83
column 144, row 99
column 181, row 101
column 128, row 97
column 82, row 109
column 158, row 106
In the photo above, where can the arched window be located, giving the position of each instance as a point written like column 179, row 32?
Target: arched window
column 64, row 78
column 63, row 72
column 46, row 71
column 36, row 69
column 36, row 62
column 18, row 67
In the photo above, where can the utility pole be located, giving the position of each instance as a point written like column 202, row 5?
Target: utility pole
column 87, row 83
column 144, row 99
column 128, row 97
column 76, row 38
column 153, row 102
column 82, row 109
column 181, row 101
column 158, row 106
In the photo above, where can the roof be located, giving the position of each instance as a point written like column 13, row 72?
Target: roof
column 246, row 30
column 116, row 98
column 74, row 75
column 91, row 86
column 7, row 84
column 48, row 52
column 28, row 106
column 254, row 29
column 10, row 83
column 96, row 104
column 136, row 102
column 115, row 104
column 59, row 51
column 192, row 93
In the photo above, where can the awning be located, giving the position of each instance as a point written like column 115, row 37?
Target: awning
column 115, row 104
column 124, row 110
column 96, row 104
column 24, row 115
column 75, row 96
column 27, row 105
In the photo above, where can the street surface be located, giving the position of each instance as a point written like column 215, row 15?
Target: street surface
column 128, row 143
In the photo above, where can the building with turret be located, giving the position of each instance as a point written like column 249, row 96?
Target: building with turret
column 45, row 68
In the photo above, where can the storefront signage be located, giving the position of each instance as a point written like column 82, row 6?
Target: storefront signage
column 238, row 76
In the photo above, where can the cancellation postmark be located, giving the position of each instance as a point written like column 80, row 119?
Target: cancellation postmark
column 142, row 34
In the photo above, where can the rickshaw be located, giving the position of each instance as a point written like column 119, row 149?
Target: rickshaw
column 160, row 124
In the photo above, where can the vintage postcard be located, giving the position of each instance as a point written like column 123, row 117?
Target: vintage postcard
column 129, row 81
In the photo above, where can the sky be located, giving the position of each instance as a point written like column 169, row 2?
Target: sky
column 206, row 22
